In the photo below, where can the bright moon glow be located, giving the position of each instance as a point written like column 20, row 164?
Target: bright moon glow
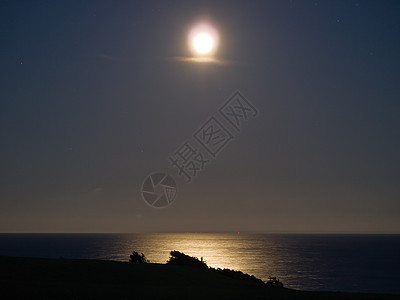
column 203, row 43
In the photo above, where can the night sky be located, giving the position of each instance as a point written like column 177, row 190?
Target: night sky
column 97, row 95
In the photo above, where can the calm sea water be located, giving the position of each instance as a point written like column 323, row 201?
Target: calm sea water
column 361, row 263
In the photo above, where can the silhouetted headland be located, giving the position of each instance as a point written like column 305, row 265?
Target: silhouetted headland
column 43, row 278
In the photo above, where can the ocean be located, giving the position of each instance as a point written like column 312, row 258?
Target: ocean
column 353, row 263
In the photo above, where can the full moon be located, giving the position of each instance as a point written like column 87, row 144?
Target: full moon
column 203, row 43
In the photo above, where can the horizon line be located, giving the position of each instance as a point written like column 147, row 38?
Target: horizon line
column 217, row 232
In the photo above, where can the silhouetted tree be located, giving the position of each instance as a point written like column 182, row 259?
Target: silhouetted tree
column 137, row 258
column 181, row 259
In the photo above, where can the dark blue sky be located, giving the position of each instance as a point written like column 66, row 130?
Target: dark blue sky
column 94, row 98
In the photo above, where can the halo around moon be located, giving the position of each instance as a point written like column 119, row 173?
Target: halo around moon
column 203, row 40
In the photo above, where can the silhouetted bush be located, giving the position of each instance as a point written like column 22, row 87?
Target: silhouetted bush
column 137, row 258
column 181, row 259
column 274, row 282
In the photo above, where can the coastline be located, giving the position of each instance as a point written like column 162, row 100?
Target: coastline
column 46, row 278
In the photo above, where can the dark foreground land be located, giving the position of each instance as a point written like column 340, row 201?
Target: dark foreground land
column 40, row 278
